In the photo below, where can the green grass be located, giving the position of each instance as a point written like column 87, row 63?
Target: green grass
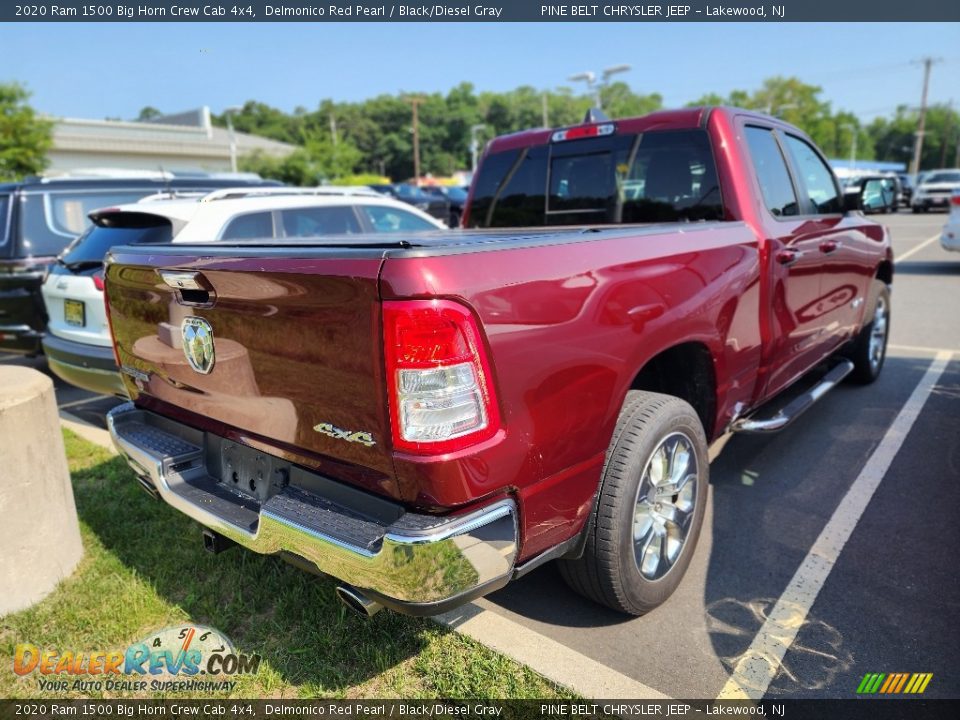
column 144, row 569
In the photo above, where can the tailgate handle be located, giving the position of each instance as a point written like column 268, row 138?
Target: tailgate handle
column 191, row 286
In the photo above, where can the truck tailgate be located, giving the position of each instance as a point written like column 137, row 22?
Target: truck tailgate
column 295, row 365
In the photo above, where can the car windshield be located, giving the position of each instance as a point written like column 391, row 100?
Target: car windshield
column 942, row 177
column 91, row 247
column 456, row 194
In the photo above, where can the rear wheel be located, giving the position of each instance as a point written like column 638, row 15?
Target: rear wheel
column 870, row 347
column 649, row 509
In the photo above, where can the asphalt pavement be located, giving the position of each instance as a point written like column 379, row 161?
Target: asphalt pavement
column 891, row 600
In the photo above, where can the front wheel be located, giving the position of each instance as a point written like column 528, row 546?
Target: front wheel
column 649, row 509
column 870, row 347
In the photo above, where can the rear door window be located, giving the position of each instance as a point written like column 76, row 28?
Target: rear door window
column 252, row 226
column 314, row 221
column 391, row 219
column 772, row 174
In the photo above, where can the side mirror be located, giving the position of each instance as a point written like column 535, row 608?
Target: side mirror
column 853, row 201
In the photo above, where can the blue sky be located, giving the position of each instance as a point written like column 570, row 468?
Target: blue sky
column 100, row 70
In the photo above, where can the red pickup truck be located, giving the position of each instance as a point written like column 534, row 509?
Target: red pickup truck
column 426, row 417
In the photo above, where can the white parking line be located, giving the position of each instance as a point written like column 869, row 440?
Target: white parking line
column 553, row 660
column 918, row 248
column 88, row 431
column 924, row 349
column 759, row 665
column 82, row 401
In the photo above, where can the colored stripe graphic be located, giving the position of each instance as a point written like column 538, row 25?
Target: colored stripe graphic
column 893, row 683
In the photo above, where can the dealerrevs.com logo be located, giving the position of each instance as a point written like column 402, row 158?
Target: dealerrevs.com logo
column 184, row 658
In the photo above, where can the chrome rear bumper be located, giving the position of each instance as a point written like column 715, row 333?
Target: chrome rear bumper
column 418, row 564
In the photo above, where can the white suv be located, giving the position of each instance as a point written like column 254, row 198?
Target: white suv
column 78, row 345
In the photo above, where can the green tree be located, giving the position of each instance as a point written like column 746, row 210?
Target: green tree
column 24, row 137
column 149, row 113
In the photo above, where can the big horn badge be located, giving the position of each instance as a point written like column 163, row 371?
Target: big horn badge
column 198, row 344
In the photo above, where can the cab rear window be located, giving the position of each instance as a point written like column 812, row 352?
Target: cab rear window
column 661, row 176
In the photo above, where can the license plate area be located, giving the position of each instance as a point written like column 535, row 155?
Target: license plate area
column 251, row 473
column 74, row 313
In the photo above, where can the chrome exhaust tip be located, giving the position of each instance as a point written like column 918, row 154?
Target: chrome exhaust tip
column 357, row 601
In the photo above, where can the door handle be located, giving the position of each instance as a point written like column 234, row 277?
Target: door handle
column 788, row 257
column 829, row 246
column 192, row 288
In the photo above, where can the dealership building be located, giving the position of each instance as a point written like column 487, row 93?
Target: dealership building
column 179, row 143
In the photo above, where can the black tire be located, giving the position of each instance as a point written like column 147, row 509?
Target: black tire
column 454, row 220
column 609, row 572
column 869, row 349
column 915, row 209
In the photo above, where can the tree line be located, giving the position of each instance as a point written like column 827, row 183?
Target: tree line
column 373, row 138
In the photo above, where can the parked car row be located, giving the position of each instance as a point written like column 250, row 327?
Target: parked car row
column 69, row 323
column 39, row 217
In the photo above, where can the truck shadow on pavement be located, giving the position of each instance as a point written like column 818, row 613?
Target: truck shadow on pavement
column 770, row 498
column 912, row 267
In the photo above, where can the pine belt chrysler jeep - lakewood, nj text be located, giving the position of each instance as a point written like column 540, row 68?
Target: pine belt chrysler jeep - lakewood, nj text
column 426, row 416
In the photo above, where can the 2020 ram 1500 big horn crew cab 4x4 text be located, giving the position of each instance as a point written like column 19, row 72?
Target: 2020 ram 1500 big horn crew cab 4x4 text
column 426, row 416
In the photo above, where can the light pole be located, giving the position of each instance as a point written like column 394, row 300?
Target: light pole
column 474, row 145
column 590, row 78
column 228, row 112
column 853, row 144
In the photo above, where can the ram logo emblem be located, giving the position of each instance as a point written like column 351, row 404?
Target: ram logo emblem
column 198, row 344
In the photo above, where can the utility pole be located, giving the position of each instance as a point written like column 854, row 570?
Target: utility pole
column 921, row 125
column 853, row 145
column 415, row 103
column 333, row 128
column 546, row 120
column 474, row 146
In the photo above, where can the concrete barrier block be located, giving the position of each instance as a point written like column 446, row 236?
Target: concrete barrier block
column 39, row 534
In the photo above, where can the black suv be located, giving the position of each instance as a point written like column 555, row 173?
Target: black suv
column 40, row 217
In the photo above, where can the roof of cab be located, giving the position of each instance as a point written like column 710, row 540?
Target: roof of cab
column 681, row 119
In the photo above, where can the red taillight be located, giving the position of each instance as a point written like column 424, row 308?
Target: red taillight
column 441, row 389
column 955, row 200
column 98, row 281
column 583, row 131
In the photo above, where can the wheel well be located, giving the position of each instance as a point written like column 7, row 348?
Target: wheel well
column 885, row 272
column 684, row 371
